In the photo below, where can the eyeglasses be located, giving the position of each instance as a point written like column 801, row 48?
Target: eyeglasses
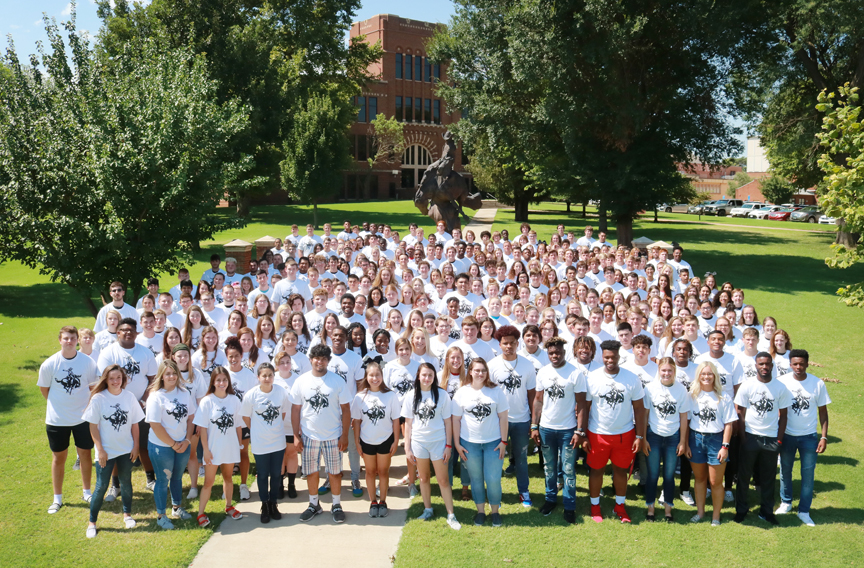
column 116, row 290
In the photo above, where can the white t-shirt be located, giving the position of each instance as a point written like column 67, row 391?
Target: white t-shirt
column 710, row 414
column 243, row 381
column 559, row 387
column 646, row 374
column 539, row 358
column 196, row 383
column 439, row 349
column 284, row 288
column 729, row 369
column 221, row 418
column 427, row 424
column 665, row 405
column 319, row 399
column 349, row 366
column 808, row 395
column 138, row 362
column 471, row 352
column 214, row 359
column 479, row 411
column 685, row 375
column 612, row 401
column 265, row 410
column 172, row 410
column 467, row 303
column 68, row 382
column 126, row 311
column 763, row 402
column 400, row 378
column 516, row 378
column 376, row 412
column 154, row 344
column 115, row 416
column 315, row 321
column 287, row 384
column 103, row 339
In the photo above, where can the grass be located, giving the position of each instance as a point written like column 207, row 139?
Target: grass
column 782, row 272
column 784, row 275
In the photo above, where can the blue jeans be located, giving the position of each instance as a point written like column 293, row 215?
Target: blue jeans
column 484, row 467
column 665, row 448
column 806, row 447
column 353, row 458
column 463, row 469
column 269, row 473
column 518, row 433
column 555, row 443
column 168, row 466
column 103, row 480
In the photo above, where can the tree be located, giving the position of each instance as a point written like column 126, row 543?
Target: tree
column 316, row 151
column 388, row 144
column 111, row 172
column 842, row 194
column 777, row 190
column 741, row 179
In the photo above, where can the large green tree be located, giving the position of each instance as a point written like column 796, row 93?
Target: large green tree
column 273, row 55
column 111, row 172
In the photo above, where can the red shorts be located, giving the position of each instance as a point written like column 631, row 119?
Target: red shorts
column 617, row 447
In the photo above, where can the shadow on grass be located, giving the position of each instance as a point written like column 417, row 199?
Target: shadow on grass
column 836, row 460
column 10, row 394
column 46, row 300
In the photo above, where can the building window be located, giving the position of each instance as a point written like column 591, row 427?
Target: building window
column 408, row 66
column 418, row 68
column 361, row 109
column 415, row 160
column 436, row 112
column 399, row 117
column 418, row 109
column 372, row 107
column 427, row 110
column 362, row 147
column 427, row 71
column 398, row 65
column 437, row 71
column 408, row 109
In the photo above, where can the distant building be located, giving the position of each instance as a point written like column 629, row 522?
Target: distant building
column 405, row 89
column 756, row 160
column 713, row 180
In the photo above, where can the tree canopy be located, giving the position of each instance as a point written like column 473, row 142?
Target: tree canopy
column 777, row 190
column 112, row 172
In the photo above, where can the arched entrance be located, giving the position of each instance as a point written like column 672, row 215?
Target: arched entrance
column 415, row 160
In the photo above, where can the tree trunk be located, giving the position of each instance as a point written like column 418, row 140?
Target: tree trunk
column 603, row 222
column 568, row 207
column 88, row 301
column 848, row 240
column 520, row 203
column 624, row 228
column 315, row 214
column 243, row 205
column 584, row 206
column 655, row 215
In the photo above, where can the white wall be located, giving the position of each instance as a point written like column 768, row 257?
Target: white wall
column 756, row 160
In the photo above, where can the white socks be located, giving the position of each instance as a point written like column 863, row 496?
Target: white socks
column 58, row 499
column 595, row 500
column 337, row 499
column 619, row 500
column 313, row 499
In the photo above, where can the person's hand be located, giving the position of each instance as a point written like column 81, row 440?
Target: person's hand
column 646, row 448
column 343, row 442
column 637, row 445
column 688, row 452
column 447, row 453
column 463, row 453
column 359, row 448
column 133, row 455
column 574, row 441
column 723, row 455
column 393, row 448
column 298, row 443
column 535, row 435
column 586, row 445
column 102, row 456
column 409, row 456
column 502, row 450
column 208, row 457
column 823, row 443
column 682, row 450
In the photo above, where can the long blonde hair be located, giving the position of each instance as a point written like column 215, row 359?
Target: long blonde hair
column 696, row 387
column 102, row 385
column 158, row 383
column 447, row 370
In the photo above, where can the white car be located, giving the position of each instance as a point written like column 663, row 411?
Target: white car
column 826, row 220
column 763, row 212
column 746, row 209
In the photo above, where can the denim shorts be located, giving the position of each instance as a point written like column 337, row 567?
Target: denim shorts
column 705, row 447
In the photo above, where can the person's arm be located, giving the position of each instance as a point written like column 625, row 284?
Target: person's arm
column 532, row 393
column 781, row 425
column 346, row 425
column 208, row 455
column 684, row 435
column 504, row 425
column 823, row 421
column 101, row 454
column 409, row 455
column 640, row 417
column 162, row 434
column 295, row 426
column 581, row 416
column 536, row 411
column 448, row 432
column 147, row 390
column 133, row 455
column 457, row 431
column 355, row 425
column 395, row 437
column 723, row 454
column 586, row 445
column 742, row 414
column 44, row 391
column 646, row 447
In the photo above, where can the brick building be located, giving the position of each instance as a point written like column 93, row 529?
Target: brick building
column 404, row 89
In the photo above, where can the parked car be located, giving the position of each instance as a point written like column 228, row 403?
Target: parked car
column 808, row 213
column 699, row 208
column 672, row 207
column 745, row 209
column 764, row 212
column 781, row 214
column 722, row 207
column 826, row 220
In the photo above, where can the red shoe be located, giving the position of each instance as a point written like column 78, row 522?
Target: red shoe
column 622, row 513
column 596, row 514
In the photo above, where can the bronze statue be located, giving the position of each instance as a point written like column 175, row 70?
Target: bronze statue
column 443, row 192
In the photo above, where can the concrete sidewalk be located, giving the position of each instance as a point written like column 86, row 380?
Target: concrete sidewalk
column 482, row 220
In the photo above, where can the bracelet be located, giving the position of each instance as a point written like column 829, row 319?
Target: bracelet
column 581, row 433
column 638, row 437
column 725, row 445
column 824, row 438
column 448, row 446
column 534, row 427
column 779, row 442
column 504, row 442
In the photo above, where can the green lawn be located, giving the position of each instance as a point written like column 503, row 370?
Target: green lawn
column 784, row 275
column 782, row 272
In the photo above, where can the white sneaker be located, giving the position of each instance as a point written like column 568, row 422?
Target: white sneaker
column 244, row 493
column 87, row 498
column 193, row 493
column 662, row 499
column 129, row 522
column 91, row 532
column 783, row 509
column 151, row 484
column 728, row 498
column 76, row 467
column 637, row 477
column 200, row 471
column 413, row 491
column 426, row 515
column 113, row 493
column 687, row 498
column 454, row 524
column 805, row 518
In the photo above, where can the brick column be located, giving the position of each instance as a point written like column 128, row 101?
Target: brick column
column 241, row 251
column 264, row 244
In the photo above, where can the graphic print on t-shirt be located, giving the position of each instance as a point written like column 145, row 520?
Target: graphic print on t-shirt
column 131, row 366
column 555, row 391
column 318, row 401
column 614, row 396
column 426, row 411
column 376, row 411
column 338, row 370
column 480, row 411
column 118, row 418
column 665, row 407
column 225, row 420
column 237, row 391
column 800, row 402
column 707, row 415
column 270, row 413
column 70, row 382
column 179, row 412
column 512, row 381
column 405, row 383
column 763, row 404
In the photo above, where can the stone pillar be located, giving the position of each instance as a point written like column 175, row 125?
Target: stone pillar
column 241, row 251
column 264, row 244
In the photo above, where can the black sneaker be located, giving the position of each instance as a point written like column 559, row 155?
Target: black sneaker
column 373, row 509
column 265, row 512
column 338, row 514
column 292, row 491
column 770, row 518
column 479, row 519
column 496, row 519
column 739, row 517
column 547, row 508
column 274, row 511
column 570, row 517
column 280, row 491
column 382, row 509
column 310, row 512
column 510, row 470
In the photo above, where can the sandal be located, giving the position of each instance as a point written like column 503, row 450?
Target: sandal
column 650, row 518
column 233, row 513
column 402, row 482
column 669, row 519
column 203, row 520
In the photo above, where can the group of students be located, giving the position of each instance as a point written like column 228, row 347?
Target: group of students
column 610, row 355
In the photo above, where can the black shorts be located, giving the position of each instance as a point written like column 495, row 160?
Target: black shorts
column 245, row 433
column 58, row 437
column 381, row 449
column 401, row 420
column 289, row 439
column 143, row 433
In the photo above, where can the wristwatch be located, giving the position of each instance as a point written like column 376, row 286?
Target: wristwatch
column 725, row 445
column 638, row 437
column 581, row 433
